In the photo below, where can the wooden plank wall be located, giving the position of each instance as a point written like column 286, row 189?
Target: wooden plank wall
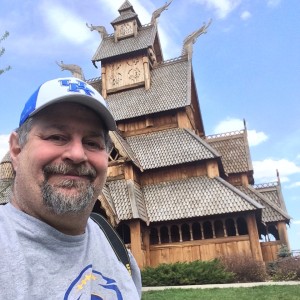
column 173, row 173
column 269, row 250
column 199, row 250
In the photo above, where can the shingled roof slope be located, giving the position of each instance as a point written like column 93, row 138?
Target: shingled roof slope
column 194, row 197
column 124, row 148
column 169, row 90
column 271, row 212
column 169, row 147
column 272, row 191
column 127, row 199
column 126, row 5
column 6, row 179
column 129, row 15
column 234, row 149
column 5, row 190
column 109, row 48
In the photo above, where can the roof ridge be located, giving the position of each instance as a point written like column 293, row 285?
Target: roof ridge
column 242, row 194
column 172, row 60
column 203, row 142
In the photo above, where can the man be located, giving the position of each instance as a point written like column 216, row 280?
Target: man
column 50, row 248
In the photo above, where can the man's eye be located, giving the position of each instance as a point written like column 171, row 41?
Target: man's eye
column 56, row 138
column 94, row 145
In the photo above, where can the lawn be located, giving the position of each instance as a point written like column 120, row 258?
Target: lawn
column 274, row 292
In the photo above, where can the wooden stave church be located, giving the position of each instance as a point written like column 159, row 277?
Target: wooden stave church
column 173, row 193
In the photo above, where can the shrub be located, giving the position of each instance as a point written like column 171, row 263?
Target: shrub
column 245, row 268
column 284, row 251
column 184, row 273
column 284, row 269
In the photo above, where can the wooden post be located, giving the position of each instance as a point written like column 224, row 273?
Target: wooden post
column 212, row 169
column 283, row 236
column 136, row 243
column 183, row 120
column 254, row 238
column 128, row 172
column 146, row 239
column 146, row 72
column 104, row 88
column 245, row 181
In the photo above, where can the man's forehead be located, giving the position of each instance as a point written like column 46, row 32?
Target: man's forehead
column 65, row 116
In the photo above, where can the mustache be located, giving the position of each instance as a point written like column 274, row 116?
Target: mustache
column 64, row 168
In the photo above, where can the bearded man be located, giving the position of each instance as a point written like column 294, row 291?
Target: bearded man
column 50, row 248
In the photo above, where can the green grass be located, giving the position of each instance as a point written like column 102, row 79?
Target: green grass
column 274, row 292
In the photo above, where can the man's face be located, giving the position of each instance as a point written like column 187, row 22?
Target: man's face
column 63, row 165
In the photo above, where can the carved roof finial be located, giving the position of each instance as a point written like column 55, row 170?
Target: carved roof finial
column 158, row 12
column 101, row 29
column 245, row 124
column 191, row 39
column 74, row 69
column 278, row 177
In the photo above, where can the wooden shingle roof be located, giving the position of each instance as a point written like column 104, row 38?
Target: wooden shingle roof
column 170, row 147
column 6, row 179
column 194, row 197
column 126, row 5
column 174, row 200
column 234, row 150
column 271, row 211
column 272, row 191
column 109, row 48
column 124, row 148
column 169, row 90
column 127, row 198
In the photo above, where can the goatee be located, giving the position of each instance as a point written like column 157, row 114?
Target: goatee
column 57, row 198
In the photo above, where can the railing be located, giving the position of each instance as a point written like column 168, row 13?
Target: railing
column 93, row 79
column 265, row 185
column 295, row 252
column 219, row 135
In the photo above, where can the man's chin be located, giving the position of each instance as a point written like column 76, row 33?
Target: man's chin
column 68, row 199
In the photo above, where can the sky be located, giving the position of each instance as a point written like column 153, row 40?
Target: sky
column 247, row 67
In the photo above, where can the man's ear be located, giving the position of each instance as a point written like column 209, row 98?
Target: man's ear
column 14, row 149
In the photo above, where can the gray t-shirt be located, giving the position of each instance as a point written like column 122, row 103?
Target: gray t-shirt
column 39, row 262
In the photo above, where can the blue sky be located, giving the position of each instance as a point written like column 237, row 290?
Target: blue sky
column 246, row 67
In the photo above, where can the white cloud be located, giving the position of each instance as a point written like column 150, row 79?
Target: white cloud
column 245, row 15
column 64, row 23
column 231, row 124
column 265, row 170
column 293, row 185
column 255, row 138
column 296, row 222
column 222, row 8
column 273, row 3
column 3, row 145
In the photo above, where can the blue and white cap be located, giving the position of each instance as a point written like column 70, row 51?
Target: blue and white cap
column 69, row 89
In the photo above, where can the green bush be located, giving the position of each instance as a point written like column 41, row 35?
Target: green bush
column 245, row 268
column 184, row 273
column 284, row 251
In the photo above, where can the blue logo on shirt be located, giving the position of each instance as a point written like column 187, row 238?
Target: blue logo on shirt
column 91, row 284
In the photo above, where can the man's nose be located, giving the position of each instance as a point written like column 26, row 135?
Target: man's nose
column 75, row 152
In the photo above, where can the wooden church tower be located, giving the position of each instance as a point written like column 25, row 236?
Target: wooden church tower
column 173, row 193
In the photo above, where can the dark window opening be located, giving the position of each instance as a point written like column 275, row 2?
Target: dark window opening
column 186, row 235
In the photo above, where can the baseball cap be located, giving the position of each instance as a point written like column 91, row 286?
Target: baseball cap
column 68, row 89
